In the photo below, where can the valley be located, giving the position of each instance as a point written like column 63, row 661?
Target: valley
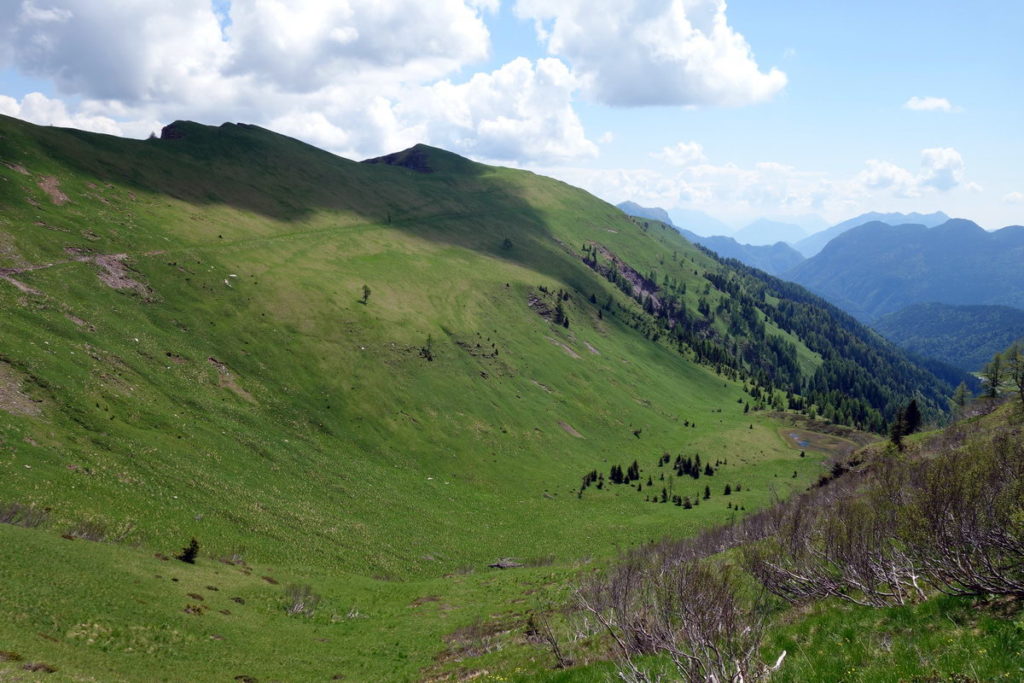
column 356, row 386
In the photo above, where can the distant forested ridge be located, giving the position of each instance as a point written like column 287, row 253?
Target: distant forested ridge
column 962, row 336
column 747, row 323
column 876, row 269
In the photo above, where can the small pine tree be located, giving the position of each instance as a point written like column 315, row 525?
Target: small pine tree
column 727, row 491
column 896, row 432
column 707, row 492
column 961, row 395
column 993, row 376
column 188, row 553
column 912, row 417
column 366, row 294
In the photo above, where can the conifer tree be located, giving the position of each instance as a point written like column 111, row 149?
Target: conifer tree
column 912, row 417
column 993, row 375
column 1014, row 363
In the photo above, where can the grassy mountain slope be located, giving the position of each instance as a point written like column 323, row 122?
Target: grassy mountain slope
column 964, row 336
column 186, row 352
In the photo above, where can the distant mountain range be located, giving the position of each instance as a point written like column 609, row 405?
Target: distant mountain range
column 963, row 336
column 696, row 221
column 653, row 212
column 875, row 269
column 812, row 244
column 774, row 259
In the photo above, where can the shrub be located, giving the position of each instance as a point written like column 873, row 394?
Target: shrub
column 27, row 516
column 188, row 553
column 301, row 600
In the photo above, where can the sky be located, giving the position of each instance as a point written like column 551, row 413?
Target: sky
column 809, row 112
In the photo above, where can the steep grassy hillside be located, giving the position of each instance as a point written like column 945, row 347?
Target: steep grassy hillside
column 374, row 379
column 964, row 336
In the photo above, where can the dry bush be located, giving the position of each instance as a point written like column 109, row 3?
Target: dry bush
column 27, row 516
column 690, row 611
column 965, row 520
column 301, row 600
column 98, row 531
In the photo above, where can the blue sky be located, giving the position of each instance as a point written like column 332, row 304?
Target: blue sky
column 752, row 109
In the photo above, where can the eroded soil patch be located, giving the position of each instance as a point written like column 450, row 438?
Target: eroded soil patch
column 569, row 429
column 226, row 380
column 51, row 186
column 12, row 399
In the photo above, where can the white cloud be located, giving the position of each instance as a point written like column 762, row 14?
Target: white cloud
column 653, row 52
column 40, row 109
column 741, row 193
column 520, row 111
column 1014, row 198
column 942, row 169
column 358, row 77
column 883, row 175
column 129, row 51
column 681, row 154
column 304, row 45
column 722, row 189
column 928, row 104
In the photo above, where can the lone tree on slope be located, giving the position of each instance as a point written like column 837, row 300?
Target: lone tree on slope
column 1013, row 361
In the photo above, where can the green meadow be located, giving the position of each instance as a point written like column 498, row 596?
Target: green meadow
column 339, row 376
column 229, row 383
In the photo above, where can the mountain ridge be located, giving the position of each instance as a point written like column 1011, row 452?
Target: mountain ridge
column 776, row 258
column 875, row 268
column 815, row 242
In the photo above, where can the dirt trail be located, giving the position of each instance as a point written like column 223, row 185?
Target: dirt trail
column 569, row 429
column 20, row 285
column 565, row 347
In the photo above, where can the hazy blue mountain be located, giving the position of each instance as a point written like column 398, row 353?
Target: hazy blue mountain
column 773, row 259
column 812, row 244
column 764, row 231
column 877, row 268
column 810, row 222
column 963, row 336
column 654, row 212
column 699, row 222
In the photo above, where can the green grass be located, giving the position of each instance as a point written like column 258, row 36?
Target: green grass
column 943, row 639
column 245, row 397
